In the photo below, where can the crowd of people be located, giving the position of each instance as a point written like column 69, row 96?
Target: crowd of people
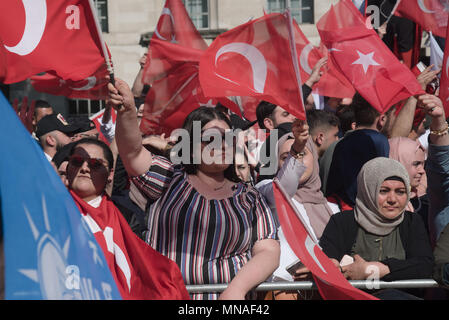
column 372, row 188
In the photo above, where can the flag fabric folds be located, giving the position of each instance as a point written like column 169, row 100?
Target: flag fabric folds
column 174, row 26
column 361, row 56
column 431, row 15
column 171, row 70
column 141, row 273
column 331, row 283
column 58, row 37
column 243, row 62
column 49, row 251
column 93, row 87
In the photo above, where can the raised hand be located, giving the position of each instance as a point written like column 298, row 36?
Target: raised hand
column 300, row 130
column 121, row 97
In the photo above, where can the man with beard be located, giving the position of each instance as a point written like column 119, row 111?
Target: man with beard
column 53, row 132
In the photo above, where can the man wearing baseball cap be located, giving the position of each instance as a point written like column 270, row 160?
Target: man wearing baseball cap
column 53, row 132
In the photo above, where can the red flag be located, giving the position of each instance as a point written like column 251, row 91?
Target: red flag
column 254, row 59
column 362, row 57
column 308, row 55
column 431, row 15
column 174, row 26
column 140, row 271
column 93, row 87
column 444, row 81
column 331, row 283
column 175, row 92
column 332, row 83
column 48, row 36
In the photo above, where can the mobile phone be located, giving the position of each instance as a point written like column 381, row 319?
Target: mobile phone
column 432, row 86
column 291, row 268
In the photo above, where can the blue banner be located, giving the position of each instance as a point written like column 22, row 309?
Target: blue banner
column 50, row 253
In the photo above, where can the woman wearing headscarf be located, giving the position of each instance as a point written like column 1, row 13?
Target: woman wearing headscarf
column 379, row 233
column 298, row 175
column 411, row 154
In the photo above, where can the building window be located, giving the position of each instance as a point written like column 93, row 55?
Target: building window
column 102, row 12
column 85, row 107
column 199, row 12
column 302, row 10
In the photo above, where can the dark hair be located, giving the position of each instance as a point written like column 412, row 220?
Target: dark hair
column 204, row 115
column 364, row 113
column 42, row 104
column 264, row 110
column 395, row 178
column 346, row 115
column 63, row 154
column 106, row 150
column 321, row 118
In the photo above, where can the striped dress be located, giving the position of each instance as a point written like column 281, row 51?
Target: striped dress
column 210, row 240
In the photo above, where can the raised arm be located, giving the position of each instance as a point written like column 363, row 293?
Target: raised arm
column 135, row 157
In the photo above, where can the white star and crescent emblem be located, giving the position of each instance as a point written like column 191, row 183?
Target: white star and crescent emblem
column 366, row 60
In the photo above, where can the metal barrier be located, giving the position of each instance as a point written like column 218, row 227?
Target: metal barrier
column 310, row 285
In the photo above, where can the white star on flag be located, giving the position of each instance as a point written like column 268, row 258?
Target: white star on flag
column 366, row 60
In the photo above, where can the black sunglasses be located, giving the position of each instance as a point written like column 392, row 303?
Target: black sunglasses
column 93, row 163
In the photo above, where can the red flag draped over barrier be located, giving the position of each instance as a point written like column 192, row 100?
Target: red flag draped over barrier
column 331, row 283
column 139, row 271
column 254, row 59
column 361, row 56
column 431, row 15
column 37, row 36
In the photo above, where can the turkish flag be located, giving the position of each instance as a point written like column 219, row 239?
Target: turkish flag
column 52, row 36
column 331, row 283
column 174, row 26
column 308, row 55
column 444, row 81
column 254, row 59
column 332, row 83
column 177, row 91
column 93, row 87
column 171, row 99
column 361, row 56
column 431, row 15
column 141, row 273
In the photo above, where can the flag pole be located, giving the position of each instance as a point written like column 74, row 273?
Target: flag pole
column 102, row 42
column 294, row 54
column 393, row 11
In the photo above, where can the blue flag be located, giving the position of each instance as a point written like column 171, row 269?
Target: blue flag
column 50, row 253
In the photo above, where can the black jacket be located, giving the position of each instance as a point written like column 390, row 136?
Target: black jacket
column 340, row 235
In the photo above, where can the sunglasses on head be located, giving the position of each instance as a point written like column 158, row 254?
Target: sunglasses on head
column 93, row 163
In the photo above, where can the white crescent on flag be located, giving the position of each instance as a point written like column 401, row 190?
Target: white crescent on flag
column 35, row 21
column 304, row 58
column 255, row 58
column 166, row 11
column 423, row 7
column 91, row 82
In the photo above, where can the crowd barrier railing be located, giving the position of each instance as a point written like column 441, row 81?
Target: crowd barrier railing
column 310, row 285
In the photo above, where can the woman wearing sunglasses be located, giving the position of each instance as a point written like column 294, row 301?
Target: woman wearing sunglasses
column 89, row 170
column 217, row 229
